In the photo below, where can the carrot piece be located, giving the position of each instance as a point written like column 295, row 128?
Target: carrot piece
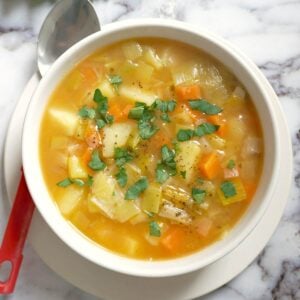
column 250, row 188
column 92, row 137
column 210, row 165
column 187, row 92
column 173, row 238
column 86, row 157
column 116, row 111
column 217, row 120
column 126, row 110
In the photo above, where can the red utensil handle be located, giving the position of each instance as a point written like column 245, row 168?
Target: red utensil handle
column 15, row 235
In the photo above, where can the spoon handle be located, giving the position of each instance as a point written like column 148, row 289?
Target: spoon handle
column 15, row 235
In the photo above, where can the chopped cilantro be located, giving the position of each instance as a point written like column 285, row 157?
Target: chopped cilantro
column 161, row 173
column 90, row 180
column 115, row 81
column 167, row 166
column 136, row 113
column 165, row 117
column 136, row 189
column 205, row 128
column 99, row 97
column 231, row 164
column 96, row 163
column 183, row 174
column 78, row 182
column 64, row 183
column 122, row 177
column 122, row 156
column 205, row 106
column 87, row 112
column 184, row 134
column 100, row 123
column 146, row 129
column 198, row 195
column 164, row 105
column 154, row 229
column 228, row 189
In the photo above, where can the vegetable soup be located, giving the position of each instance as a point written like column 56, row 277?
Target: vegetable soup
column 151, row 148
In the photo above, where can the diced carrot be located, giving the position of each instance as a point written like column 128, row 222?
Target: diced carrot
column 218, row 120
column 187, row 92
column 120, row 112
column 126, row 110
column 92, row 137
column 86, row 157
column 210, row 165
column 250, row 188
column 116, row 111
column 203, row 226
column 172, row 239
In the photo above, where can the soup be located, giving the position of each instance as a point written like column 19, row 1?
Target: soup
column 151, row 149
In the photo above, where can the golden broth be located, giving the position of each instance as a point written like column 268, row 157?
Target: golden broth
column 213, row 146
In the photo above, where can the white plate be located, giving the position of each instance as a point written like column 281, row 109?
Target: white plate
column 110, row 285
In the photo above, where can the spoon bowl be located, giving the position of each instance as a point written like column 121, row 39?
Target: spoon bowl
column 68, row 22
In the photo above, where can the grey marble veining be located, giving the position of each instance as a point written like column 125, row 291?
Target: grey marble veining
column 267, row 31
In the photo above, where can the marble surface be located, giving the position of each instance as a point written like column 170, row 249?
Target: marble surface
column 267, row 31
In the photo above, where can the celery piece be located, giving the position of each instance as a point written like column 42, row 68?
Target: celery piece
column 152, row 198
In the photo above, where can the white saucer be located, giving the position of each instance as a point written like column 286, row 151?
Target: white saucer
column 110, row 285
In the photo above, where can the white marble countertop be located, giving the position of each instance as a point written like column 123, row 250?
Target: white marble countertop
column 267, row 31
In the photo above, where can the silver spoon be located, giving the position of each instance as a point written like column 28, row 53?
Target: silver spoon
column 67, row 23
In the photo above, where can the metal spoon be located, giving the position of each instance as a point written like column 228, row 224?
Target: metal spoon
column 67, row 23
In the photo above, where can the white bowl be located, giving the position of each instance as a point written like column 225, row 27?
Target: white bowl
column 243, row 69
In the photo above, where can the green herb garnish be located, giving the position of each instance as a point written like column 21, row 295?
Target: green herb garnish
column 165, row 117
column 122, row 156
column 228, row 189
column 136, row 189
column 198, row 195
column 115, row 81
column 205, row 128
column 96, row 163
column 164, row 105
column 87, row 112
column 205, row 106
column 146, row 129
column 154, row 229
column 122, row 177
column 136, row 113
column 90, row 180
column 183, row 174
column 99, row 97
column 64, row 183
column 167, row 166
column 184, row 134
column 78, row 182
column 100, row 123
column 231, row 164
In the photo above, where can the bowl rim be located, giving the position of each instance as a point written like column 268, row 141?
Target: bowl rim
column 115, row 261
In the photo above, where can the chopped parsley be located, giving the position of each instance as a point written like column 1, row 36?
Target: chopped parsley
column 204, row 106
column 90, row 180
column 198, row 195
column 122, row 177
column 136, row 113
column 228, row 189
column 184, row 134
column 231, row 164
column 146, row 129
column 115, row 81
column 165, row 117
column 122, row 156
column 154, row 229
column 68, row 181
column 64, row 183
column 78, row 182
column 96, row 163
column 205, row 128
column 87, row 112
column 183, row 174
column 136, row 189
column 167, row 166
column 164, row 106
column 100, row 123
